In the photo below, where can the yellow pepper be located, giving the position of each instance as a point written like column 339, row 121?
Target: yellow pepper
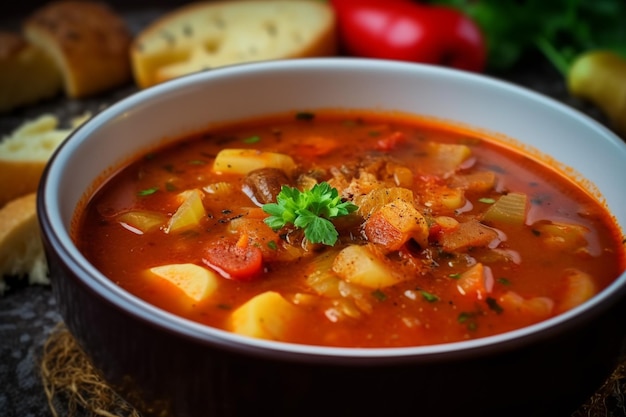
column 600, row 77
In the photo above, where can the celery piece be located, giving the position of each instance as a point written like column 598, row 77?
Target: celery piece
column 510, row 209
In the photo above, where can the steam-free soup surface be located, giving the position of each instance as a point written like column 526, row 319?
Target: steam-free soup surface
column 350, row 229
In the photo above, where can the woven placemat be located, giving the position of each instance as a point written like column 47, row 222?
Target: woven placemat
column 75, row 389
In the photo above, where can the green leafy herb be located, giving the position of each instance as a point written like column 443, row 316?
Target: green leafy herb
column 486, row 200
column 272, row 245
column 309, row 210
column 557, row 29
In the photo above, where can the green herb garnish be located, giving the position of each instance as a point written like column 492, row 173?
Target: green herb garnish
column 487, row 200
column 252, row 139
column 431, row 298
column 309, row 210
column 504, row 281
column 148, row 191
column 379, row 295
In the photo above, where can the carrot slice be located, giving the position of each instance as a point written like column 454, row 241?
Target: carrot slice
column 237, row 260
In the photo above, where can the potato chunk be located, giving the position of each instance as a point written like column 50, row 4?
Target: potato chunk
column 196, row 282
column 577, row 287
column 266, row 316
column 444, row 158
column 142, row 221
column 188, row 213
column 243, row 161
column 477, row 282
column 558, row 236
column 364, row 266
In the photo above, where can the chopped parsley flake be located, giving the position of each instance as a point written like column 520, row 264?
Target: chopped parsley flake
column 379, row 295
column 504, row 281
column 431, row 298
column 252, row 139
column 148, row 191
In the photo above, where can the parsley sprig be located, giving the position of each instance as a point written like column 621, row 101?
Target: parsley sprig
column 309, row 210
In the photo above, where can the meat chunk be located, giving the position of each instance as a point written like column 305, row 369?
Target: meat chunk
column 264, row 184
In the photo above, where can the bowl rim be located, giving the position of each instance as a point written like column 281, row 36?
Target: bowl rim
column 59, row 240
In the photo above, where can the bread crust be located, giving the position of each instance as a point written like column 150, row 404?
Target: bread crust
column 25, row 153
column 209, row 34
column 21, row 249
column 27, row 74
column 88, row 41
column 29, row 174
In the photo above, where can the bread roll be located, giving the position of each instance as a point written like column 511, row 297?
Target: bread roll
column 24, row 154
column 88, row 41
column 21, row 250
column 27, row 74
column 206, row 35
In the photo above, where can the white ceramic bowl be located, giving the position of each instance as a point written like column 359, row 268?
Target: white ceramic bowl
column 192, row 370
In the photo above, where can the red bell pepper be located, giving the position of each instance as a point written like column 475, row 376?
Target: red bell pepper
column 408, row 31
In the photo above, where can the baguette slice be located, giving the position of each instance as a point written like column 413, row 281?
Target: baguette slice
column 88, row 42
column 206, row 35
column 27, row 73
column 25, row 153
column 21, row 250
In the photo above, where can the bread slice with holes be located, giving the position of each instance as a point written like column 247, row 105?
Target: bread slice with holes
column 88, row 41
column 207, row 35
column 25, row 152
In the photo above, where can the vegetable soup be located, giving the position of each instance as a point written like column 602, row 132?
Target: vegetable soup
column 352, row 229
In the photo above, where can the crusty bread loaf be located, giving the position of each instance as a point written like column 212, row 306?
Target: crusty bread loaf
column 88, row 41
column 24, row 154
column 206, row 35
column 27, row 74
column 21, row 250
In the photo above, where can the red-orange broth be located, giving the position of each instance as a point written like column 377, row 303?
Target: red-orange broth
column 453, row 271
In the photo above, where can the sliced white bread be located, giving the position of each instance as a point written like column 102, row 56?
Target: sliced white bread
column 207, row 35
column 87, row 40
column 25, row 153
column 21, row 249
column 27, row 73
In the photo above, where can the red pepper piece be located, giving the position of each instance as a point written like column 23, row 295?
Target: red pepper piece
column 406, row 31
column 391, row 141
